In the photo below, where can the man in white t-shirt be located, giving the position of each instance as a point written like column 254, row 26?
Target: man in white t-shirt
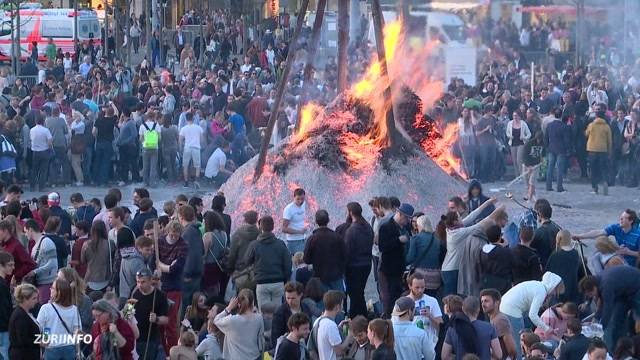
column 216, row 165
column 427, row 311
column 326, row 332
column 41, row 144
column 190, row 139
column 293, row 222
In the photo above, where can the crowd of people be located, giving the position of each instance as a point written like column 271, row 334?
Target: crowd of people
column 183, row 282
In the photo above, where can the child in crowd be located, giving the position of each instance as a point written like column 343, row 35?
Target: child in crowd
column 210, row 347
column 301, row 272
column 185, row 350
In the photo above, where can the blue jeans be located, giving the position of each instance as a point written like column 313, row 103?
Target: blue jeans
column 67, row 352
column 86, row 164
column 4, row 345
column 102, row 161
column 449, row 282
column 517, row 324
column 617, row 324
column 295, row 246
column 555, row 161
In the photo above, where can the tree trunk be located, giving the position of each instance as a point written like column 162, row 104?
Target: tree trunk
column 311, row 54
column 149, row 11
column 343, row 43
column 378, row 24
column 291, row 58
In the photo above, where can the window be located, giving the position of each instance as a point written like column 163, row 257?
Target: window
column 57, row 28
column 88, row 29
column 26, row 26
column 5, row 28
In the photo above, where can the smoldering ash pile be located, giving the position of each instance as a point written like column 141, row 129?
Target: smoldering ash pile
column 342, row 152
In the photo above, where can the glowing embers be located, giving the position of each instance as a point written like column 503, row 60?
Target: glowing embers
column 439, row 148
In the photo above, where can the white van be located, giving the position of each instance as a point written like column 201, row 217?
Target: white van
column 428, row 25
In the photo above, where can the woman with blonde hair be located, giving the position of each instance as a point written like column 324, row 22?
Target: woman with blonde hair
column 567, row 263
column 605, row 255
column 23, row 327
column 380, row 334
column 242, row 326
column 424, row 254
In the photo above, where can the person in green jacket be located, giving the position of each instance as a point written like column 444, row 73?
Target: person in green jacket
column 51, row 51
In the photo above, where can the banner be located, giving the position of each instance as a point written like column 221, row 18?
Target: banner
column 460, row 62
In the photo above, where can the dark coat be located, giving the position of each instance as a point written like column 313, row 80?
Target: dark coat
column 22, row 335
column 280, row 318
column 327, row 252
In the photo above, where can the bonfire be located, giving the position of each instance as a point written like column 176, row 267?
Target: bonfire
column 342, row 153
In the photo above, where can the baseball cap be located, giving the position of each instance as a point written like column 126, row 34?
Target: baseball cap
column 53, row 199
column 406, row 209
column 403, row 305
column 144, row 272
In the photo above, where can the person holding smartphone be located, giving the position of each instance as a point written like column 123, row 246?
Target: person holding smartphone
column 428, row 315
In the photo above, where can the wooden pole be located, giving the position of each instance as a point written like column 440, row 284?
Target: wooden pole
column 343, row 43
column 291, row 58
column 378, row 24
column 311, row 54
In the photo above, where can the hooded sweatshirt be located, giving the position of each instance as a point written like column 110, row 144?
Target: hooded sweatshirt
column 270, row 259
column 598, row 136
column 132, row 262
column 528, row 297
column 475, row 202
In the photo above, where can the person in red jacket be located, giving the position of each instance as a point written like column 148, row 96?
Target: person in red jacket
column 24, row 262
column 110, row 333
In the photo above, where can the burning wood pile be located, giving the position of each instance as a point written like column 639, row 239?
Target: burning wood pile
column 373, row 140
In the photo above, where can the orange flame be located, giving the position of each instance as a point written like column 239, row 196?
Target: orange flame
column 407, row 65
column 439, row 149
column 309, row 112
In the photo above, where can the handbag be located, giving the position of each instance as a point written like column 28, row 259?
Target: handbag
column 244, row 279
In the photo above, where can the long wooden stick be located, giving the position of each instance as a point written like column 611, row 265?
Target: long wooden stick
column 311, row 54
column 343, row 43
column 291, row 57
column 378, row 24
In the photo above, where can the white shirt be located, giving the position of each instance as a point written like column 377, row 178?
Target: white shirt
column 218, row 159
column 191, row 134
column 49, row 322
column 430, row 302
column 328, row 337
column 40, row 137
column 296, row 215
column 245, row 68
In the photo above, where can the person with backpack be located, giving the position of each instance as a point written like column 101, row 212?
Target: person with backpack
column 150, row 138
column 44, row 254
column 289, row 346
column 325, row 341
